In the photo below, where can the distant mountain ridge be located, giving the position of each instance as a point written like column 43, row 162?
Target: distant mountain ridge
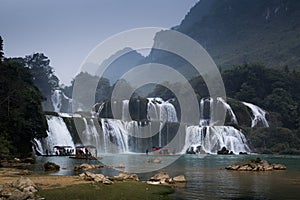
column 237, row 31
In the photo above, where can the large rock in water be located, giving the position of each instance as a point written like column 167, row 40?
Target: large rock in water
column 50, row 166
column 224, row 151
column 256, row 165
column 86, row 166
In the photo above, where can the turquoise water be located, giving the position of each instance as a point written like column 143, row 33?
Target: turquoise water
column 206, row 176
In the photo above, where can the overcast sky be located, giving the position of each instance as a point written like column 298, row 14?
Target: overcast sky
column 67, row 30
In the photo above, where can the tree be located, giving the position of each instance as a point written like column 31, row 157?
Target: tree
column 21, row 115
column 1, row 49
column 42, row 73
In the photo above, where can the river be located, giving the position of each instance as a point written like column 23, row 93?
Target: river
column 206, row 176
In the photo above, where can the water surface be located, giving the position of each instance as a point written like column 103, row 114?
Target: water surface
column 206, row 176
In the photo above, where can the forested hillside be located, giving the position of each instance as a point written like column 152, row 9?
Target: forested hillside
column 237, row 31
column 21, row 114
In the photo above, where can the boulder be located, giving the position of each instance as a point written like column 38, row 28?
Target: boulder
column 85, row 167
column 279, row 167
column 179, row 179
column 97, row 178
column 21, row 189
column 22, row 183
column 160, row 176
column 163, row 178
column 124, row 176
column 223, row 151
column 49, row 166
column 256, row 165
column 120, row 166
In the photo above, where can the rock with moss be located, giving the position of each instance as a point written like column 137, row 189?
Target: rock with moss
column 50, row 166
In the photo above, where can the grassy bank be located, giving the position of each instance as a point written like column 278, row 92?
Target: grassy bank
column 122, row 190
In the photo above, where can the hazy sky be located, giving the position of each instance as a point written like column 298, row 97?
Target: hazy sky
column 67, row 30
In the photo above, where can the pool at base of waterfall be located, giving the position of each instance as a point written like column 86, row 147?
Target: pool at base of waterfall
column 205, row 174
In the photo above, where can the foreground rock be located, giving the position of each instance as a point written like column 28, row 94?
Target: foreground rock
column 256, row 165
column 85, row 167
column 124, row 176
column 22, row 188
column 97, row 178
column 163, row 178
column 50, row 166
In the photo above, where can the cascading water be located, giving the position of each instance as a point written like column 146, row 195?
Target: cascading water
column 228, row 109
column 58, row 135
column 160, row 110
column 259, row 115
column 210, row 139
column 125, row 110
column 120, row 136
column 115, row 136
column 206, row 107
column 56, row 99
column 60, row 102
column 90, row 135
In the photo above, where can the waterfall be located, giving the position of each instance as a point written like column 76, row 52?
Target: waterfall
column 204, row 119
column 125, row 110
column 160, row 110
column 228, row 109
column 259, row 115
column 58, row 135
column 60, row 102
column 213, row 138
column 56, row 99
column 115, row 136
column 90, row 135
column 125, row 135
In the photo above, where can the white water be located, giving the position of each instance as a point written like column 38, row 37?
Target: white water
column 90, row 135
column 206, row 120
column 259, row 115
column 228, row 109
column 115, row 136
column 56, row 99
column 212, row 139
column 120, row 136
column 125, row 110
column 58, row 135
column 160, row 110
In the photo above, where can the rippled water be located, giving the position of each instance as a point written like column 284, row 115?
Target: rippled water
column 207, row 178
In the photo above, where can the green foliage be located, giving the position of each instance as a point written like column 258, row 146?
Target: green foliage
column 277, row 91
column 21, row 115
column 42, row 73
column 1, row 49
column 274, row 140
column 239, row 31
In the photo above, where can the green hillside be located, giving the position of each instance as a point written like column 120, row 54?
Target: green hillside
column 237, row 31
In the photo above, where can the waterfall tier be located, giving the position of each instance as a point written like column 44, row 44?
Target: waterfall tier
column 125, row 135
